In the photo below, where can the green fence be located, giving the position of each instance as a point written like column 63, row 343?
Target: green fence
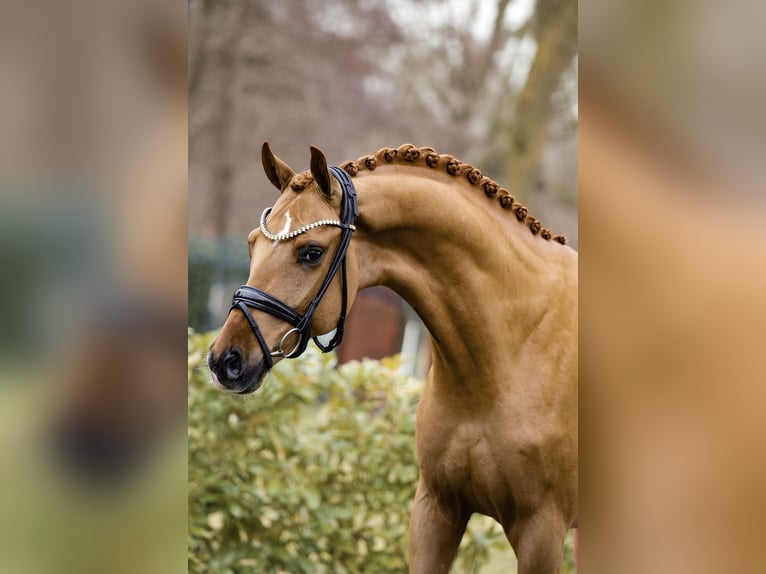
column 221, row 262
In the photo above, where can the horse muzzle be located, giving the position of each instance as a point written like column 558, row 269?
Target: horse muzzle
column 231, row 373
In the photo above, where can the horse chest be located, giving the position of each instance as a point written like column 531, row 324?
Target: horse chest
column 460, row 468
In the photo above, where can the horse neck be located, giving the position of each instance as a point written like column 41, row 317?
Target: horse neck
column 481, row 282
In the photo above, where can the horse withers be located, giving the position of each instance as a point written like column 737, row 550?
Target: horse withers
column 497, row 421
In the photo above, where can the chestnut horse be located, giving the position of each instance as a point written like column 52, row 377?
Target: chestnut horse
column 497, row 421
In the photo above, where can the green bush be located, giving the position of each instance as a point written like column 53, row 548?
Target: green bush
column 314, row 473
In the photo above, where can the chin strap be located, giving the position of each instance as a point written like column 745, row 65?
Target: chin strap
column 247, row 297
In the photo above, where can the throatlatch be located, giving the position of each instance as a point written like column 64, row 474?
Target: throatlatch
column 247, row 296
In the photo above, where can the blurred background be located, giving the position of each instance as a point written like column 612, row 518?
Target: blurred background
column 93, row 188
column 672, row 144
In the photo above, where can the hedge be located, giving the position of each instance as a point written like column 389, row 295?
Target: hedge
column 314, row 473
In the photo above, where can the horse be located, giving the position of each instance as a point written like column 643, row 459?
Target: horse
column 496, row 426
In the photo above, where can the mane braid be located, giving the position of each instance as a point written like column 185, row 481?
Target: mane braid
column 408, row 154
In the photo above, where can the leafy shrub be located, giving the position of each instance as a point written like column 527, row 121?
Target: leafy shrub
column 314, row 473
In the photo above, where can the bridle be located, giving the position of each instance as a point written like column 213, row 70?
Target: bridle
column 247, row 296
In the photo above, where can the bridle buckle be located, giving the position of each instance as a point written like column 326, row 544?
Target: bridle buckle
column 280, row 352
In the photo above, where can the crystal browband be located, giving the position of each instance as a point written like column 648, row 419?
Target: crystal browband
column 304, row 229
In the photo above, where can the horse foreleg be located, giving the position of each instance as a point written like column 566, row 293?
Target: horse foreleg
column 538, row 541
column 434, row 535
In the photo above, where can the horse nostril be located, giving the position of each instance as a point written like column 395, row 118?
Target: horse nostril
column 232, row 363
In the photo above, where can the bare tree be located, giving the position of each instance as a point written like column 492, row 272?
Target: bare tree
column 352, row 76
column 555, row 31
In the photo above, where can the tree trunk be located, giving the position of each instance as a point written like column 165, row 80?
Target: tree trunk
column 223, row 169
column 556, row 34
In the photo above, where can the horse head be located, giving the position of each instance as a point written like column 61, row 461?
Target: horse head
column 303, row 275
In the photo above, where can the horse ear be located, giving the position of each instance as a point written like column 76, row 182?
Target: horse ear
column 278, row 172
column 320, row 172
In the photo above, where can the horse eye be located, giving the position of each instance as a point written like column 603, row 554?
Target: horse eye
column 311, row 255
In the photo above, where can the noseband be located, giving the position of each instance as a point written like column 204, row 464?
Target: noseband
column 247, row 296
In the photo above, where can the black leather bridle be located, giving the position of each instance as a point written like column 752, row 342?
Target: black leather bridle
column 247, row 296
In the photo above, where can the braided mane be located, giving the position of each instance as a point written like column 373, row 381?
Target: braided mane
column 408, row 154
